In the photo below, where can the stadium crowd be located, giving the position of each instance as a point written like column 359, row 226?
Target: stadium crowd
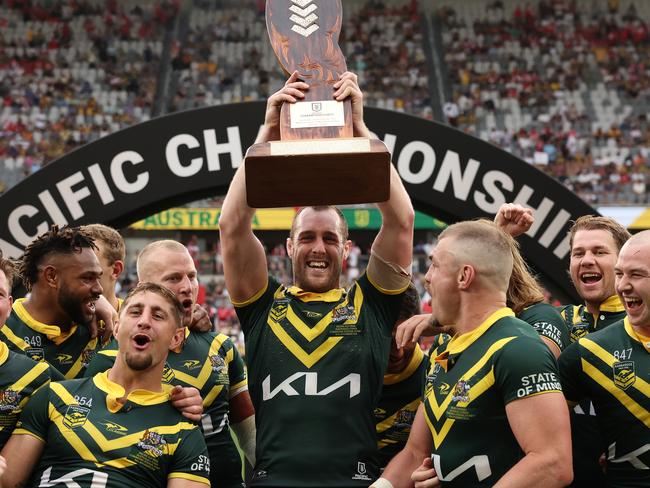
column 563, row 85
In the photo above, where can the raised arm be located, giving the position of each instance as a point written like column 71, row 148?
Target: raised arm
column 244, row 259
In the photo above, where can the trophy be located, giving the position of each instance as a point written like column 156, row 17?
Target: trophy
column 317, row 160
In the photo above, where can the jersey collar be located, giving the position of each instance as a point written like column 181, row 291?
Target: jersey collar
column 4, row 353
column 141, row 397
column 612, row 304
column 52, row 332
column 461, row 342
column 645, row 341
column 414, row 363
column 334, row 295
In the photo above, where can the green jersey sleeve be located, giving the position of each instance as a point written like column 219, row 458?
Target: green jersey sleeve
column 236, row 370
column 525, row 367
column 191, row 460
column 102, row 360
column 252, row 310
column 548, row 322
column 571, row 373
column 35, row 419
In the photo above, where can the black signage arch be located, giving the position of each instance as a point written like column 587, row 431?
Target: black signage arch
column 186, row 156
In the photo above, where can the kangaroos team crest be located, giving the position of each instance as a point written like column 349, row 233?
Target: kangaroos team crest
column 75, row 416
column 624, row 374
column 579, row 330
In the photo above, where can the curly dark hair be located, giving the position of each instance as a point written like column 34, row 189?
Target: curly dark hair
column 64, row 240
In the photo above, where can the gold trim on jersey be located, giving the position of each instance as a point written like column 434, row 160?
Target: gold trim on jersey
column 309, row 359
column 13, row 338
column 4, row 352
column 252, row 299
column 202, row 377
column 624, row 399
column 640, row 384
column 102, row 442
column 459, row 343
column 643, row 340
column 388, row 422
column 612, row 304
column 307, row 296
column 191, row 477
column 141, row 397
column 52, row 332
column 414, row 364
column 312, row 333
column 73, row 372
column 476, row 390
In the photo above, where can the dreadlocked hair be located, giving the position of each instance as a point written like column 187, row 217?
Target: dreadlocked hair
column 64, row 240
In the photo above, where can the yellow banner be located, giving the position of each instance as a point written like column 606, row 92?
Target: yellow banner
column 208, row 219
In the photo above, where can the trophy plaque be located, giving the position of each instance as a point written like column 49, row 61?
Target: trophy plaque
column 317, row 160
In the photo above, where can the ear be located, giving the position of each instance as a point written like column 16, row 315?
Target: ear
column 118, row 267
column 50, row 276
column 116, row 327
column 290, row 247
column 347, row 245
column 177, row 338
column 466, row 276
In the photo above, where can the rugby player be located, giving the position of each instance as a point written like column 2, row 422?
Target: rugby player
column 111, row 253
column 402, row 388
column 62, row 273
column 525, row 296
column 611, row 367
column 316, row 353
column 119, row 427
column 207, row 361
column 20, row 377
column 495, row 375
column 595, row 243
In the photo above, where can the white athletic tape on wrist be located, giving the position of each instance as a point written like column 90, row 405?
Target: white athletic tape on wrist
column 382, row 483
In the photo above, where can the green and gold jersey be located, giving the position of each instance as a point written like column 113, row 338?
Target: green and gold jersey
column 93, row 441
column 612, row 368
column 316, row 364
column 399, row 401
column 470, row 381
column 548, row 323
column 580, row 322
column 20, row 377
column 210, row 363
column 67, row 352
column 587, row 441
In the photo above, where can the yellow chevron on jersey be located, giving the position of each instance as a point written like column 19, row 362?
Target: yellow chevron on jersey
column 284, row 312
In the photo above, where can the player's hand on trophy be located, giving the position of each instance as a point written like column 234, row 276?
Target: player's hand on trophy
column 348, row 86
column 291, row 92
column 514, row 219
column 425, row 475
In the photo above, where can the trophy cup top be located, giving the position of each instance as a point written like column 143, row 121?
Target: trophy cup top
column 304, row 35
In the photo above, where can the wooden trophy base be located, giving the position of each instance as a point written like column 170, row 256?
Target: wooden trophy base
column 317, row 172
